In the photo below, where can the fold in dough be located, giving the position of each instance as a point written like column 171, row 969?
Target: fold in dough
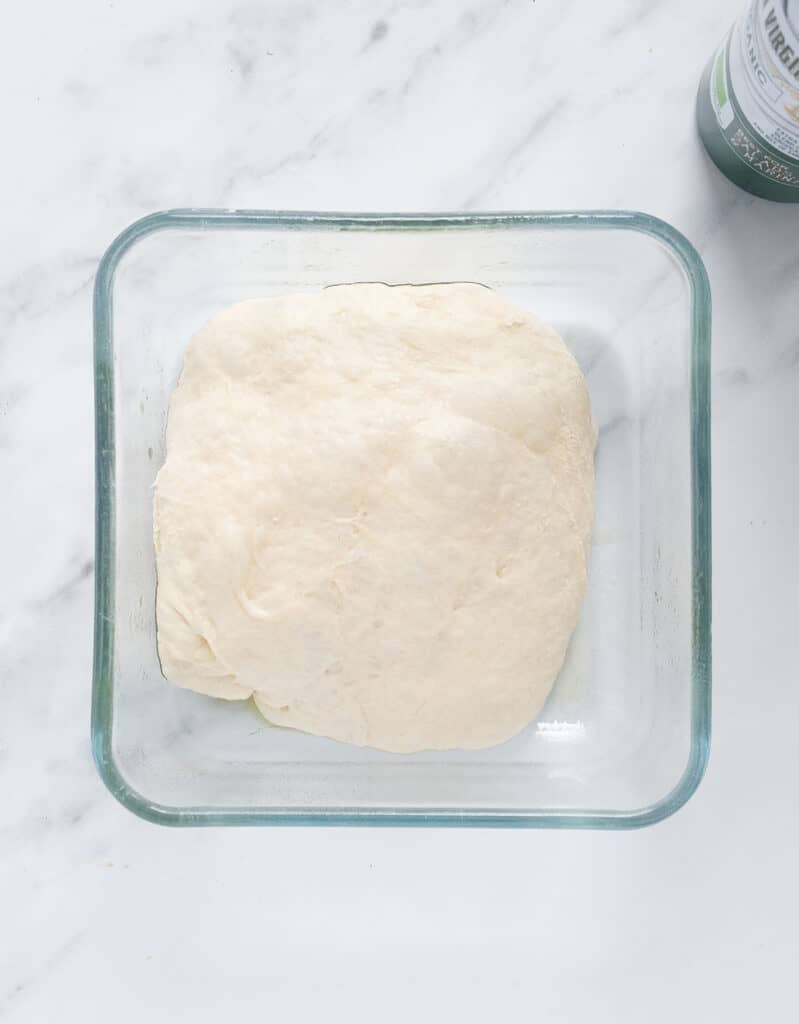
column 375, row 513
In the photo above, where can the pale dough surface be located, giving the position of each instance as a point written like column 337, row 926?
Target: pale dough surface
column 375, row 513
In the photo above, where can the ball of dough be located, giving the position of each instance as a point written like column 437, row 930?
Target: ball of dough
column 375, row 513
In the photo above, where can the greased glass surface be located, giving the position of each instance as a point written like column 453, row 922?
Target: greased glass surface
column 624, row 737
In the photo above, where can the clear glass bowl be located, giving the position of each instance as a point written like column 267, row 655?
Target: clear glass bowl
column 623, row 739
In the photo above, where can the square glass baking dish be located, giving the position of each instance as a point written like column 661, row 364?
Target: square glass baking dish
column 623, row 739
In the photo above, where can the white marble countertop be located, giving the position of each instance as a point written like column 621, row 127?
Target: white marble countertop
column 113, row 109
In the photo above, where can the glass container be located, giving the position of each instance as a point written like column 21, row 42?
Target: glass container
column 623, row 738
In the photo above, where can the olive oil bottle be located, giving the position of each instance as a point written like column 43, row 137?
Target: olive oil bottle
column 747, row 107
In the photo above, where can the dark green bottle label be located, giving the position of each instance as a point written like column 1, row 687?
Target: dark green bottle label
column 754, row 92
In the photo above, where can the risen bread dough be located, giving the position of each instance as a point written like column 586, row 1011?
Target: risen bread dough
column 375, row 513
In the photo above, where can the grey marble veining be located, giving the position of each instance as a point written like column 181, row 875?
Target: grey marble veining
column 112, row 110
